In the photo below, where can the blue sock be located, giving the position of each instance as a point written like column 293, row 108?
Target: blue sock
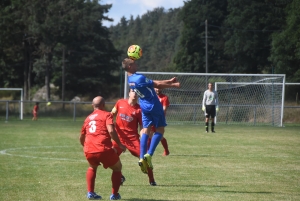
column 143, row 145
column 156, row 138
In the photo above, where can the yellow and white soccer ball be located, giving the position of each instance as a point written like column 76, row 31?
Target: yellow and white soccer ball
column 134, row 52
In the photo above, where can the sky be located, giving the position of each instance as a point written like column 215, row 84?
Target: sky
column 127, row 8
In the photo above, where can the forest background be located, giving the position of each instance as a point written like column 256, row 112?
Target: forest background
column 64, row 42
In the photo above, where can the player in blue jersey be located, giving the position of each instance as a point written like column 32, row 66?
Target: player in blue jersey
column 152, row 110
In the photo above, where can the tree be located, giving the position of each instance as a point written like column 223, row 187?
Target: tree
column 157, row 32
column 13, row 45
column 285, row 50
column 191, row 54
column 249, row 26
column 35, row 34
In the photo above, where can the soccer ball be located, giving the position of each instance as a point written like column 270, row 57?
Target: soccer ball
column 134, row 52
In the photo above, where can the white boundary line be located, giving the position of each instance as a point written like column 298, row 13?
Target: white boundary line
column 4, row 152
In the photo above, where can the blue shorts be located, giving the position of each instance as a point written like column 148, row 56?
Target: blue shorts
column 155, row 118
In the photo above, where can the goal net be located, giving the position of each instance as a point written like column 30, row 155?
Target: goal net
column 251, row 99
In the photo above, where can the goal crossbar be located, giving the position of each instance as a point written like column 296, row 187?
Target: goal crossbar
column 21, row 100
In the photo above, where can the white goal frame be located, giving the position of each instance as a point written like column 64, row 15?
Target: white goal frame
column 186, row 102
column 21, row 100
column 258, row 83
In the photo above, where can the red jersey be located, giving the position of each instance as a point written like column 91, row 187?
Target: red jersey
column 97, row 138
column 127, row 120
column 35, row 109
column 164, row 100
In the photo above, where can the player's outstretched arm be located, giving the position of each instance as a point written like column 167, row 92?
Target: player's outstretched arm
column 162, row 84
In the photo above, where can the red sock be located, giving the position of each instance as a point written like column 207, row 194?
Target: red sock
column 150, row 175
column 90, row 179
column 164, row 143
column 116, row 182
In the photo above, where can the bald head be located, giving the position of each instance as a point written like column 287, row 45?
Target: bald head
column 98, row 103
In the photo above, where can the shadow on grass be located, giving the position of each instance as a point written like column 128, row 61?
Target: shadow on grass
column 243, row 192
column 195, row 155
column 180, row 186
column 255, row 192
column 139, row 199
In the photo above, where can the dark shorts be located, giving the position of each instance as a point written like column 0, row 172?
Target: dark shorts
column 210, row 111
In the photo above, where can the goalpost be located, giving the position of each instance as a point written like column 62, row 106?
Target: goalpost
column 263, row 101
column 250, row 99
column 21, row 101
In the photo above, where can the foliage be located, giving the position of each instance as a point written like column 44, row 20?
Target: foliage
column 241, row 37
column 45, row 29
column 191, row 54
column 63, row 41
column 285, row 50
column 157, row 32
column 11, row 43
column 248, row 40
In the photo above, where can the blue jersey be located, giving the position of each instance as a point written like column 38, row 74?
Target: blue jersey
column 143, row 87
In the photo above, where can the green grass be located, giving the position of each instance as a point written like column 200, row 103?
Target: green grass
column 43, row 160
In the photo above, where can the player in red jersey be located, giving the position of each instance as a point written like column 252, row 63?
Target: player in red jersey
column 35, row 111
column 164, row 100
column 128, row 119
column 96, row 134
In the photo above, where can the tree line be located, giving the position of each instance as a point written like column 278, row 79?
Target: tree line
column 242, row 37
column 64, row 42
column 56, row 41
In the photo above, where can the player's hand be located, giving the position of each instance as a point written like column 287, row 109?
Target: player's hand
column 217, row 109
column 116, row 151
column 176, row 85
column 203, row 109
column 173, row 80
column 122, row 147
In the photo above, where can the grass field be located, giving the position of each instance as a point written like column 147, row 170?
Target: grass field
column 44, row 161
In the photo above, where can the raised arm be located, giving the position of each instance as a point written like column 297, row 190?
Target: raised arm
column 162, row 84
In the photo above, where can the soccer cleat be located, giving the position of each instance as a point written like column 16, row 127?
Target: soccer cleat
column 166, row 153
column 122, row 179
column 93, row 196
column 143, row 165
column 153, row 183
column 148, row 158
column 213, row 131
column 206, row 131
column 115, row 197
